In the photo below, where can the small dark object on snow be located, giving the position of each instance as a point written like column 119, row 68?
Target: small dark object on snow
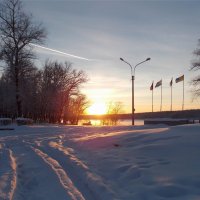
column 6, row 129
column 87, row 123
column 117, row 145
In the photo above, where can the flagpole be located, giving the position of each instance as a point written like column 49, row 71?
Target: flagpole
column 171, row 97
column 161, row 99
column 183, row 96
column 152, row 100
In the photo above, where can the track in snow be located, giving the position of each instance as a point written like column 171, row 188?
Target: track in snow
column 40, row 172
column 8, row 175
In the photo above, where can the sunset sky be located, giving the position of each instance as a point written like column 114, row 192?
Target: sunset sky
column 100, row 32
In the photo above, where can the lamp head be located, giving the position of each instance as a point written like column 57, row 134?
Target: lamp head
column 121, row 59
column 148, row 59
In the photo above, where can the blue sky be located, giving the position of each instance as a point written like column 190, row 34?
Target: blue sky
column 104, row 31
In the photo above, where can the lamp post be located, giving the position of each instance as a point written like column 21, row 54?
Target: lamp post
column 133, row 78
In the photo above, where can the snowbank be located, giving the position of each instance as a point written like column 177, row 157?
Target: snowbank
column 5, row 121
column 24, row 121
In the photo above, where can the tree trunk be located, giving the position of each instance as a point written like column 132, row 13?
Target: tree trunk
column 17, row 92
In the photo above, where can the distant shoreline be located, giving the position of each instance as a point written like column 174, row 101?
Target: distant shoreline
column 185, row 114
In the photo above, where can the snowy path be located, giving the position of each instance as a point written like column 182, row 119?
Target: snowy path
column 42, row 173
column 8, row 176
column 35, row 179
column 89, row 184
column 34, row 175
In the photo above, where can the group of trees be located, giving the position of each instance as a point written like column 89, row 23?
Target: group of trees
column 112, row 113
column 49, row 94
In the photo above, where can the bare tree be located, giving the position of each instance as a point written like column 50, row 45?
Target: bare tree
column 195, row 82
column 59, row 87
column 7, row 102
column 78, row 104
column 17, row 32
column 113, row 109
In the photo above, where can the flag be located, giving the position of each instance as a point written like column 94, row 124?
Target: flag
column 179, row 79
column 151, row 88
column 159, row 83
column 171, row 82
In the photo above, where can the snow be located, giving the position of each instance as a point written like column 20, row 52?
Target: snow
column 2, row 119
column 47, row 162
column 7, row 173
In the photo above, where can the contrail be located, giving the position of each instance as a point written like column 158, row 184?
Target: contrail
column 60, row 52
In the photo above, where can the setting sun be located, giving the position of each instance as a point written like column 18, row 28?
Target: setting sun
column 97, row 109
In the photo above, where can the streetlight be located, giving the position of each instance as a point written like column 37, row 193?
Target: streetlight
column 133, row 78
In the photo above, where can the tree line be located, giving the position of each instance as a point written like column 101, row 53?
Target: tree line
column 49, row 94
column 195, row 82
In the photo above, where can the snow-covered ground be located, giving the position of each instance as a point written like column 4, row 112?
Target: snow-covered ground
column 100, row 163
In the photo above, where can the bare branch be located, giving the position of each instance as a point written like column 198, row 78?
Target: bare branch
column 17, row 31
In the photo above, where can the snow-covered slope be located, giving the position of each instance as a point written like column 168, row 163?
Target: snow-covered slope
column 100, row 163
